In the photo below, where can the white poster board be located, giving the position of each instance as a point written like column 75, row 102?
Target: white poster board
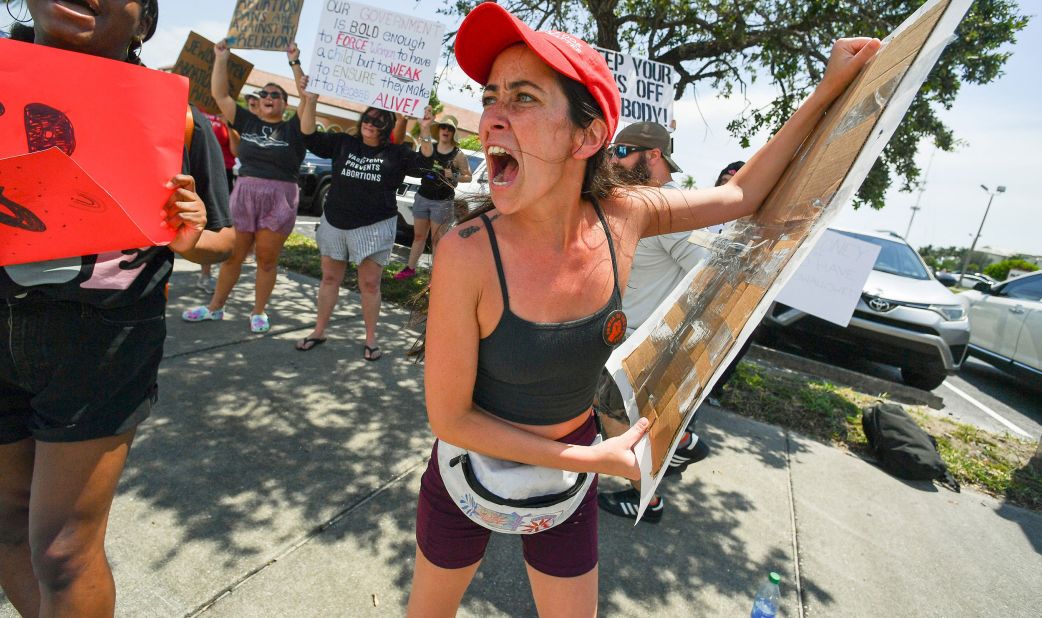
column 375, row 57
column 829, row 282
column 646, row 86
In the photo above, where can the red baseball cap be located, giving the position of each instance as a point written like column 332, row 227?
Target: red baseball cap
column 489, row 29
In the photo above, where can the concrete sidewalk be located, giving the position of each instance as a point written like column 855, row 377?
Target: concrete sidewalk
column 278, row 483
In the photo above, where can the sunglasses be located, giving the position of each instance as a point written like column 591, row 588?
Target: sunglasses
column 621, row 151
column 377, row 121
column 264, row 94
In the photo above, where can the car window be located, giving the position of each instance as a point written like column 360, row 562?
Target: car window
column 895, row 258
column 1025, row 289
column 475, row 161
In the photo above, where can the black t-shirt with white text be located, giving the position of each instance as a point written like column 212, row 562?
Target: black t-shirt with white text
column 271, row 150
column 365, row 178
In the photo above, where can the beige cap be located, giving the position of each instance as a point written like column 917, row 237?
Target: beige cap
column 649, row 135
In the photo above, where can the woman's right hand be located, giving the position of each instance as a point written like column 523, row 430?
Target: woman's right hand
column 221, row 50
column 616, row 454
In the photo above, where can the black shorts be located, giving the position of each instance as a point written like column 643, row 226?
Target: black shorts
column 71, row 372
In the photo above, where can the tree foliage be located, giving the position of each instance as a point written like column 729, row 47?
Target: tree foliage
column 728, row 44
column 999, row 271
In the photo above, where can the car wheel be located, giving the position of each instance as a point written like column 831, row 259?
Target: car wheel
column 319, row 201
column 925, row 378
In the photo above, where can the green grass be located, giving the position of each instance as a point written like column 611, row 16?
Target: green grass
column 300, row 254
column 993, row 463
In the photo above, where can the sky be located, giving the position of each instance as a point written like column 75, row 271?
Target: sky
column 1000, row 123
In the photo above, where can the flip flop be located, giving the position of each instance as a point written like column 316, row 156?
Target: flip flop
column 309, row 343
column 372, row 354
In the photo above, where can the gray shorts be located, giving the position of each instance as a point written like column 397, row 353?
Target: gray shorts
column 438, row 211
column 372, row 241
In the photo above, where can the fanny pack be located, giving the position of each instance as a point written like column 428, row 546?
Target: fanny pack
column 510, row 497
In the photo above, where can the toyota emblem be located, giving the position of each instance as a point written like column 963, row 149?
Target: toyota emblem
column 880, row 305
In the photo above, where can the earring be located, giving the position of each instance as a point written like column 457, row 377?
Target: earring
column 28, row 18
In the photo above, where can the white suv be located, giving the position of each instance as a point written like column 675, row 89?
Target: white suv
column 1007, row 325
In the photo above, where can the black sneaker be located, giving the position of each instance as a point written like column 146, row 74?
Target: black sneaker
column 625, row 504
column 685, row 456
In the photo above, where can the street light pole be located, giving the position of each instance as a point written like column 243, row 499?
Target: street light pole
column 922, row 187
column 966, row 258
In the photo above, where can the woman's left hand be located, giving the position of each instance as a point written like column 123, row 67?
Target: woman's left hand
column 185, row 213
column 847, row 59
column 617, row 453
column 428, row 118
column 293, row 52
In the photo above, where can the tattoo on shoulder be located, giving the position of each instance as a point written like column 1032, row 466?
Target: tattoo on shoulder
column 467, row 232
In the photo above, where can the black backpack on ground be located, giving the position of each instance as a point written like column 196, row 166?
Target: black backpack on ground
column 901, row 447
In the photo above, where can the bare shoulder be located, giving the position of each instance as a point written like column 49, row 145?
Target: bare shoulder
column 465, row 248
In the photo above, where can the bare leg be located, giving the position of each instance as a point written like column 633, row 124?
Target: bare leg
column 16, row 567
column 564, row 596
column 228, row 276
column 269, row 246
column 436, row 233
column 369, row 273
column 437, row 592
column 72, row 490
column 420, row 229
column 328, row 293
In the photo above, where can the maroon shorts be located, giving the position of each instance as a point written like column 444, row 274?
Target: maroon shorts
column 450, row 540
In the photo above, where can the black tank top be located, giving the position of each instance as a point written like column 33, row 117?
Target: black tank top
column 434, row 185
column 540, row 373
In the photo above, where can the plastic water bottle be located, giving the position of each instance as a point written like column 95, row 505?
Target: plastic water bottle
column 765, row 605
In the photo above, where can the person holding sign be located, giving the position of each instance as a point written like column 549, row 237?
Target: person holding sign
column 264, row 201
column 361, row 211
column 446, row 168
column 524, row 309
column 80, row 344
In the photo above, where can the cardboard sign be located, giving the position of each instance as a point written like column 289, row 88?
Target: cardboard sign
column 671, row 362
column 196, row 63
column 646, row 86
column 50, row 99
column 264, row 24
column 829, row 282
column 375, row 57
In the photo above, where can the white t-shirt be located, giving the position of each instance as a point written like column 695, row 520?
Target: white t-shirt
column 659, row 264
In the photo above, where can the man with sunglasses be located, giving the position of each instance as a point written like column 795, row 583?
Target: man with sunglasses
column 643, row 155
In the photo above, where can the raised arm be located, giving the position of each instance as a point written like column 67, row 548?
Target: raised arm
column 219, row 81
column 670, row 211
column 426, row 143
column 293, row 54
column 308, row 104
column 451, row 369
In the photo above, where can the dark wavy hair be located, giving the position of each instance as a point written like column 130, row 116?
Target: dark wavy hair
column 385, row 131
column 149, row 13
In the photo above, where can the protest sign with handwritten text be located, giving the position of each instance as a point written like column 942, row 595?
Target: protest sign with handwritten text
column 828, row 283
column 375, row 57
column 264, row 24
column 196, row 63
column 646, row 86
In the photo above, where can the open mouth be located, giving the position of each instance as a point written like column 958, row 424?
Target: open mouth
column 503, row 166
column 83, row 7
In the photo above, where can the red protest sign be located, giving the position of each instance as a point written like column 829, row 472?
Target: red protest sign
column 50, row 208
column 123, row 128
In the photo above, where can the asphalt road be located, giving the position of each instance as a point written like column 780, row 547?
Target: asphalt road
column 978, row 394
